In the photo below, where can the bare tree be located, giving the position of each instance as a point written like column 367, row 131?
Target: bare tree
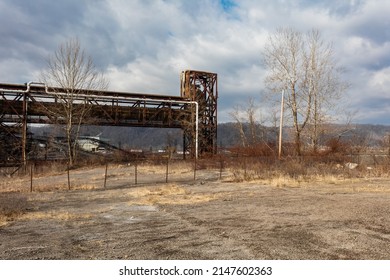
column 283, row 56
column 71, row 70
column 303, row 66
column 324, row 84
column 239, row 124
column 386, row 144
column 249, row 125
column 253, row 125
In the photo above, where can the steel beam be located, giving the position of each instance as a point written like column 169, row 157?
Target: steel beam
column 34, row 103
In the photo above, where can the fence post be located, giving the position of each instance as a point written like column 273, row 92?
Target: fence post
column 220, row 167
column 245, row 174
column 135, row 170
column 31, row 177
column 68, row 178
column 105, row 175
column 195, row 169
column 166, row 173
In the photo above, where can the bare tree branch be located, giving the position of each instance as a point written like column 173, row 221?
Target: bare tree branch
column 70, row 69
column 303, row 66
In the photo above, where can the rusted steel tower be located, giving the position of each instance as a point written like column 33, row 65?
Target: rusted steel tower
column 201, row 87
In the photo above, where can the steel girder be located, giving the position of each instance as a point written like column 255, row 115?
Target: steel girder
column 21, row 104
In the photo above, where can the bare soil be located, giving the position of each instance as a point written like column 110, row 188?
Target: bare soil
column 203, row 219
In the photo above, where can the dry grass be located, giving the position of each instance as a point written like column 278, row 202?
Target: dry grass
column 303, row 181
column 12, row 206
column 43, row 184
column 18, row 184
column 60, row 216
column 175, row 167
column 294, row 174
column 170, row 194
column 64, row 186
column 331, row 183
column 288, row 173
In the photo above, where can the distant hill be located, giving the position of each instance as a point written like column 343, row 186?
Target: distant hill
column 228, row 135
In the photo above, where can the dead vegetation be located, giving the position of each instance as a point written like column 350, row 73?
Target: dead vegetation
column 257, row 210
column 170, row 194
column 293, row 172
column 12, row 206
column 332, row 168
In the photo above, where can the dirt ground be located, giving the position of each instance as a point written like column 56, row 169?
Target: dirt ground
column 203, row 219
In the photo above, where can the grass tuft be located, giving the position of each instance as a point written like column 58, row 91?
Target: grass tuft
column 12, row 205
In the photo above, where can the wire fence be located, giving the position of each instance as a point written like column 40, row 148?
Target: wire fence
column 38, row 176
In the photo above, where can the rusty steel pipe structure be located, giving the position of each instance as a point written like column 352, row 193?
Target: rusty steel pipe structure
column 202, row 87
column 37, row 103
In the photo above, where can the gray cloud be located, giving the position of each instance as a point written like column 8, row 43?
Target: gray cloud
column 143, row 46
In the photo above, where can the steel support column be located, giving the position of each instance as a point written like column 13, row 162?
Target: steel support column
column 201, row 87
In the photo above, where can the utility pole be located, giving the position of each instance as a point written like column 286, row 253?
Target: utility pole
column 24, row 131
column 281, row 126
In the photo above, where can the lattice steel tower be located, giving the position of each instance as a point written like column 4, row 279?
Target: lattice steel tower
column 201, row 87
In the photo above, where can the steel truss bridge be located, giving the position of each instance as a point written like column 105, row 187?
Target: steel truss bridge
column 194, row 111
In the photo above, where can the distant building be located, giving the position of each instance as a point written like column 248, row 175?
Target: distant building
column 89, row 143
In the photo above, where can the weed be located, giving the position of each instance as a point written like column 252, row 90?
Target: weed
column 12, row 205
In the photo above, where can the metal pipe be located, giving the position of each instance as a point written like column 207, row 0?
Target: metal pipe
column 24, row 130
column 24, row 124
column 28, row 85
column 137, row 99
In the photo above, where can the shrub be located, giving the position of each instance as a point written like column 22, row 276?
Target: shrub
column 12, row 205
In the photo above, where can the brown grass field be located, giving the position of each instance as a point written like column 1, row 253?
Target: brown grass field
column 245, row 214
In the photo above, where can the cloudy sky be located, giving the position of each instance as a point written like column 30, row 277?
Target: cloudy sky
column 142, row 46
